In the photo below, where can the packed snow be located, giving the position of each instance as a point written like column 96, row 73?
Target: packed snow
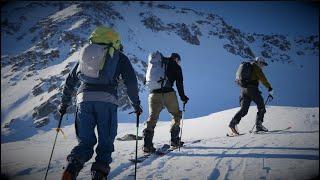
column 44, row 28
column 208, row 153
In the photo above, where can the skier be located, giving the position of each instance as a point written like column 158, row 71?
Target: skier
column 250, row 92
column 165, row 96
column 98, row 70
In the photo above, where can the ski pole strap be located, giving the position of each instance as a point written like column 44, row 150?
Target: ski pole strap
column 60, row 130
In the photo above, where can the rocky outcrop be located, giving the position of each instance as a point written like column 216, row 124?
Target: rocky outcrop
column 307, row 45
column 181, row 29
column 165, row 6
column 278, row 41
column 154, row 23
column 43, row 110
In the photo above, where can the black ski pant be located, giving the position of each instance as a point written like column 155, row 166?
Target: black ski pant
column 247, row 95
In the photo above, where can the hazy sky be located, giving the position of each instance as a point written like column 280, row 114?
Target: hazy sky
column 292, row 18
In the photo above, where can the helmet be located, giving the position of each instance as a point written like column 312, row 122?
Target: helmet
column 261, row 61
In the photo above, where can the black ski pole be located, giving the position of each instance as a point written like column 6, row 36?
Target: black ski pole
column 135, row 163
column 184, row 110
column 264, row 105
column 54, row 144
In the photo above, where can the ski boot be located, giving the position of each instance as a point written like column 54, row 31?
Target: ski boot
column 148, row 145
column 149, row 149
column 99, row 172
column 234, row 128
column 261, row 128
column 175, row 139
column 177, row 143
column 72, row 170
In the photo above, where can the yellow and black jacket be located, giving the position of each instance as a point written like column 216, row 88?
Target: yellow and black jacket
column 257, row 75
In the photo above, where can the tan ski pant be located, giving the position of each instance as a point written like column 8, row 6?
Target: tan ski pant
column 157, row 101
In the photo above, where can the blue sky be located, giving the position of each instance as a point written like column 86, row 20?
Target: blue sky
column 291, row 18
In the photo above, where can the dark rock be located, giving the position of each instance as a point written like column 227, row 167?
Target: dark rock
column 300, row 53
column 154, row 23
column 52, row 87
column 250, row 39
column 7, row 125
column 165, row 6
column 229, row 48
column 29, row 74
column 65, row 71
column 265, row 54
column 249, row 52
column 37, row 89
column 201, row 22
column 185, row 34
column 43, row 110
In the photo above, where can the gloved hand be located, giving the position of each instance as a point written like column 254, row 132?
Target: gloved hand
column 271, row 92
column 185, row 99
column 138, row 109
column 62, row 109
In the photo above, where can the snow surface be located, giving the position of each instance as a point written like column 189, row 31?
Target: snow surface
column 290, row 154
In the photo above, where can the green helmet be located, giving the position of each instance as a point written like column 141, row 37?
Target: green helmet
column 106, row 36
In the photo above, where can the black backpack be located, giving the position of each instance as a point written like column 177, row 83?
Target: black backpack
column 243, row 75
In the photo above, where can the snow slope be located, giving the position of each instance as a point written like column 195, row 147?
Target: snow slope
column 290, row 154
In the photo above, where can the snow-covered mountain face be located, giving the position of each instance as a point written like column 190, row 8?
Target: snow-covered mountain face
column 40, row 43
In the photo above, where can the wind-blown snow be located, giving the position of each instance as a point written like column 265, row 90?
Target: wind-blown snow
column 290, row 154
column 65, row 13
column 77, row 24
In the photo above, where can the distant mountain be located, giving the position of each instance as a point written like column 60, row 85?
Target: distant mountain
column 40, row 43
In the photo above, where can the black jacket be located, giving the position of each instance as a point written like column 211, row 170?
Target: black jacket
column 174, row 74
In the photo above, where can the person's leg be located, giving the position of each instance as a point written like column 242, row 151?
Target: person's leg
column 107, row 124
column 172, row 105
column 155, row 101
column 84, row 124
column 245, row 101
column 258, row 99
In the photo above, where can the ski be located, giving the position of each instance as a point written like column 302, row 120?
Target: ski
column 163, row 150
column 234, row 135
column 271, row 131
column 159, row 152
